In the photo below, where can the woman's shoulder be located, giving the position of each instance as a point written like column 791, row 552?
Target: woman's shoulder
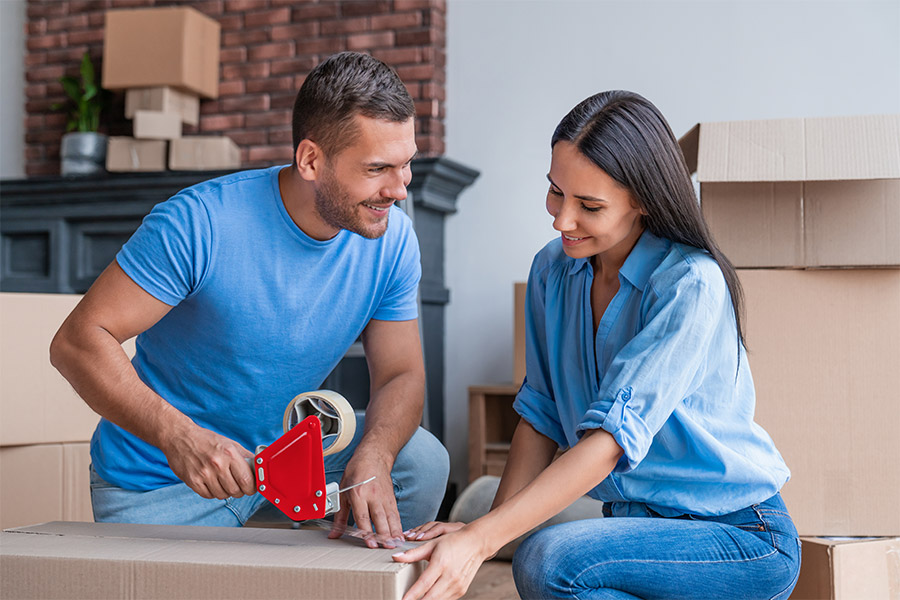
column 687, row 266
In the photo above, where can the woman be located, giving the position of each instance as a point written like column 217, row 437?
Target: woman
column 636, row 367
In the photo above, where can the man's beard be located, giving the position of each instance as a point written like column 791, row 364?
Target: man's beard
column 337, row 208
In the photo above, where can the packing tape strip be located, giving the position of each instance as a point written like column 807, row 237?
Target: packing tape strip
column 383, row 540
column 335, row 413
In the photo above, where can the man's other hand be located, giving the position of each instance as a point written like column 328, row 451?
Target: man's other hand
column 211, row 464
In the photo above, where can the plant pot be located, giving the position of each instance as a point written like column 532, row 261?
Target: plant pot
column 83, row 153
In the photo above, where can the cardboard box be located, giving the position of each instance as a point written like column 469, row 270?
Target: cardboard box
column 801, row 193
column 167, row 46
column 849, row 569
column 37, row 405
column 108, row 560
column 823, row 348
column 155, row 125
column 203, row 153
column 44, row 482
column 163, row 99
column 519, row 332
column 127, row 154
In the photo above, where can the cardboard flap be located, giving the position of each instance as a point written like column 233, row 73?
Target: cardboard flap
column 813, row 149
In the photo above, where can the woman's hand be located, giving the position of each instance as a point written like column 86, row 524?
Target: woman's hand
column 431, row 530
column 453, row 561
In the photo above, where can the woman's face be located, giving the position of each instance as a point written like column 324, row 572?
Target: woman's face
column 590, row 209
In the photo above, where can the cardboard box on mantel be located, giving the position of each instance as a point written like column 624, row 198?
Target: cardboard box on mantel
column 166, row 46
column 849, row 569
column 128, row 155
column 110, row 560
column 800, row 193
column 156, row 125
column 823, row 348
column 203, row 153
column 163, row 99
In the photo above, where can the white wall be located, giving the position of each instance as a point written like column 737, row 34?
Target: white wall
column 12, row 89
column 515, row 68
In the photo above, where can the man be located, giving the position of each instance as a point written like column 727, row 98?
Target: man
column 247, row 290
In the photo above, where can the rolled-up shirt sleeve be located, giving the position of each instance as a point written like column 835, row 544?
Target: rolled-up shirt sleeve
column 660, row 367
column 534, row 401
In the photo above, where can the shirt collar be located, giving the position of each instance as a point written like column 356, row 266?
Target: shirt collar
column 644, row 258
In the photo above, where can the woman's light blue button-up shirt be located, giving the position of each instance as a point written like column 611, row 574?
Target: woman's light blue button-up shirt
column 662, row 375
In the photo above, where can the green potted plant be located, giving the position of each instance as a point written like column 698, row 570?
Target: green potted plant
column 83, row 150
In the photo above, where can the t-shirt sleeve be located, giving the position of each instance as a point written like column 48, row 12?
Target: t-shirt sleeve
column 169, row 254
column 535, row 402
column 400, row 300
column 661, row 366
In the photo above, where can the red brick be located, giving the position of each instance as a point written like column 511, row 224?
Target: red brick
column 231, row 22
column 211, row 8
column 435, row 18
column 221, row 122
column 398, row 56
column 282, row 153
column 276, row 16
column 400, row 5
column 283, row 100
column 44, row 41
column 320, row 45
column 314, row 12
column 67, row 23
column 130, row 3
column 42, row 136
column 339, row 26
column 86, row 37
column 427, row 108
column 48, row 73
column 299, row 79
column 210, row 107
column 267, row 119
column 416, row 72
column 245, row 103
column 43, row 168
column 34, row 121
column 420, row 37
column 281, row 135
column 270, row 84
column 37, row 10
column 33, row 152
column 230, row 88
column 267, row 51
column 36, row 27
column 83, row 6
column 414, row 89
column 256, row 137
column 365, row 41
column 242, row 5
column 396, row 20
column 295, row 31
column 35, row 90
column 245, row 71
column 69, row 56
column 56, row 120
column 244, row 37
column 434, row 90
column 365, row 7
column 35, row 58
column 293, row 66
column 97, row 19
column 235, row 54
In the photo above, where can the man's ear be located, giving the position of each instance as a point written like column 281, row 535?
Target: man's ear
column 309, row 159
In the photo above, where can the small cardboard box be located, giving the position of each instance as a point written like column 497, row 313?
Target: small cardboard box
column 44, row 482
column 800, row 193
column 519, row 289
column 156, row 125
column 37, row 405
column 109, row 560
column 203, row 153
column 849, row 569
column 166, row 46
column 823, row 348
column 127, row 154
column 163, row 99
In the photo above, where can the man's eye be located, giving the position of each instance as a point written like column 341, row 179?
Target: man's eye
column 376, row 169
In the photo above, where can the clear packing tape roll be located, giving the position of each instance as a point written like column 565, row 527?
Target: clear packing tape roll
column 334, row 412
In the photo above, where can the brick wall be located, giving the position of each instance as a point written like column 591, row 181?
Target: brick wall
column 268, row 48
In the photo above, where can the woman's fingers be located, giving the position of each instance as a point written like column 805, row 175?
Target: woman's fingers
column 432, row 530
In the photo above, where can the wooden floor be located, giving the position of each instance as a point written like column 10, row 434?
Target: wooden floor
column 494, row 581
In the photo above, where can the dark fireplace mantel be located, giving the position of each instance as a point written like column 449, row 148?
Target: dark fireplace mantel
column 58, row 234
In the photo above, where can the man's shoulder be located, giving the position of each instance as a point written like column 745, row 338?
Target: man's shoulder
column 231, row 182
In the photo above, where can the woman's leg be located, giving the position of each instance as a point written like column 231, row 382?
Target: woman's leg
column 752, row 553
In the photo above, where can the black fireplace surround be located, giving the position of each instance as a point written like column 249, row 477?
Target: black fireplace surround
column 59, row 233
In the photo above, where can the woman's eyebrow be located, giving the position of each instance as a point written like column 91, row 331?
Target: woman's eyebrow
column 580, row 197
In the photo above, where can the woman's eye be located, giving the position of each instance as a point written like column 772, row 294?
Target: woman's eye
column 555, row 191
column 590, row 208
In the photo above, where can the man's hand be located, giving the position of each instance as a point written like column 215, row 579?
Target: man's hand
column 211, row 464
column 373, row 505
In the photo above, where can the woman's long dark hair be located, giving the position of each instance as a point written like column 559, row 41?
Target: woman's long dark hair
column 624, row 134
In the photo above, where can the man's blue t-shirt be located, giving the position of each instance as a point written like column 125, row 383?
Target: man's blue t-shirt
column 261, row 312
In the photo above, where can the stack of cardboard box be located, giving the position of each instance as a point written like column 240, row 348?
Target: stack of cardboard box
column 808, row 210
column 165, row 59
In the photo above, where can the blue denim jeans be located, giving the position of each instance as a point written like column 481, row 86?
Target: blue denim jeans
column 750, row 553
column 419, row 476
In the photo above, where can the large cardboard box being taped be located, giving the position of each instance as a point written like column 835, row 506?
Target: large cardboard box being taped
column 109, row 560
column 127, row 155
column 166, row 46
column 849, row 569
column 44, row 482
column 163, row 99
column 519, row 332
column 800, row 193
column 156, row 125
column 823, row 348
column 203, row 153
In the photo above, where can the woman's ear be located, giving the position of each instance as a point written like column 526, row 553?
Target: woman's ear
column 309, row 159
